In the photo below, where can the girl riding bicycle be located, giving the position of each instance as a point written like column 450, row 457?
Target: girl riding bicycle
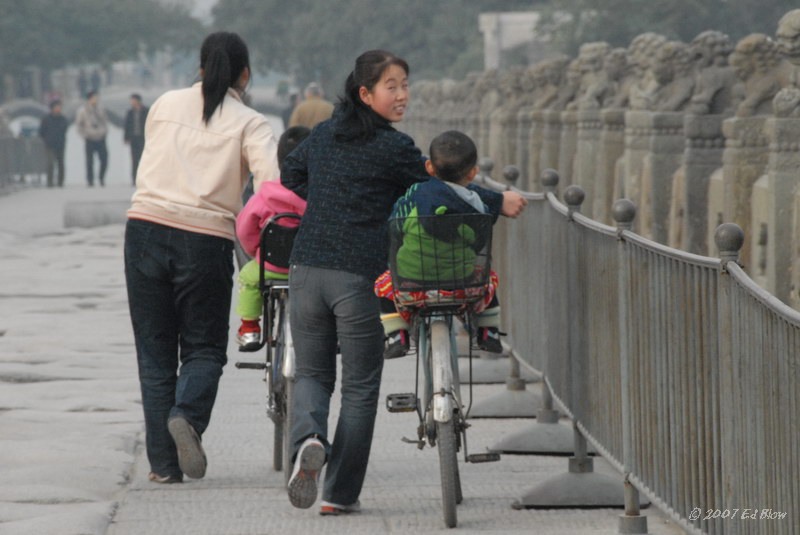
column 271, row 199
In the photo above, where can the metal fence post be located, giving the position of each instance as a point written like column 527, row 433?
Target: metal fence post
column 546, row 435
column 729, row 239
column 631, row 521
column 515, row 401
column 581, row 486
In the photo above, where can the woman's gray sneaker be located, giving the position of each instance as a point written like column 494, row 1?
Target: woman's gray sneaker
column 191, row 457
column 305, row 475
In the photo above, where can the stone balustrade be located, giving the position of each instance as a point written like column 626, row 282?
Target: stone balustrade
column 693, row 134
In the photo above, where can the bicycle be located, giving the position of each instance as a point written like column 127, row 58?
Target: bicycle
column 276, row 245
column 453, row 276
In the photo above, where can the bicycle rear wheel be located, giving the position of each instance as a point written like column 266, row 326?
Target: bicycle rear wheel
column 446, row 440
column 448, row 469
column 287, row 431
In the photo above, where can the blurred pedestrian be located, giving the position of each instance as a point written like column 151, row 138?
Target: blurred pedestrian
column 95, row 79
column 53, row 131
column 201, row 144
column 92, row 123
column 286, row 113
column 134, row 131
column 313, row 110
column 83, row 82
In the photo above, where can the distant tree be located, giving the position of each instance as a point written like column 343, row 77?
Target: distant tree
column 619, row 21
column 53, row 33
column 320, row 39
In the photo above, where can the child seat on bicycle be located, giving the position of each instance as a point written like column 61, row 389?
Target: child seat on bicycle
column 441, row 250
column 271, row 217
column 261, row 220
column 440, row 260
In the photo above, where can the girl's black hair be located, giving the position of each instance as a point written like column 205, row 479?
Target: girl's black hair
column 358, row 121
column 223, row 57
column 290, row 139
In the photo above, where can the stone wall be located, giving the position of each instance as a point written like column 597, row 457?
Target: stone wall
column 684, row 130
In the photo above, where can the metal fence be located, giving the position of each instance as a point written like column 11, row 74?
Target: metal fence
column 21, row 157
column 677, row 368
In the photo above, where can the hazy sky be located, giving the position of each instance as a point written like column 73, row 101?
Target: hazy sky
column 202, row 9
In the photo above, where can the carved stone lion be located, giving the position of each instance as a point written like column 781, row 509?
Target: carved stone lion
column 672, row 82
column 595, row 85
column 756, row 61
column 715, row 79
column 554, row 71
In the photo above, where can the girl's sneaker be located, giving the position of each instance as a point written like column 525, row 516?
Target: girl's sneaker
column 397, row 344
column 334, row 509
column 488, row 339
column 249, row 336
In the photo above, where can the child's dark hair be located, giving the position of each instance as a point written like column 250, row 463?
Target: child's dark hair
column 290, row 138
column 358, row 120
column 223, row 57
column 454, row 155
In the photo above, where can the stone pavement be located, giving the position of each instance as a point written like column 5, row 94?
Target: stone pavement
column 241, row 494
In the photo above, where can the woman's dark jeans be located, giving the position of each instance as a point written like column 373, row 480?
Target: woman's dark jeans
column 327, row 306
column 179, row 294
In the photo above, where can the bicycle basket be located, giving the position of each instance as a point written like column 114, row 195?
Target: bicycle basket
column 441, row 259
column 277, row 238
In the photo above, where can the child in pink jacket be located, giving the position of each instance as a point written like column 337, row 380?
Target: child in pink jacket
column 271, row 199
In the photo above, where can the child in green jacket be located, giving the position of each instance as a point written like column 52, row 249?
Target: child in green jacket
column 440, row 252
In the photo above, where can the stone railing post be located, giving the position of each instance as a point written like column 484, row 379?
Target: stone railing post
column 589, row 128
column 568, row 145
column 523, row 148
column 612, row 146
column 744, row 160
column 666, row 156
column 551, row 140
column 534, row 148
column 702, row 156
column 782, row 174
column 638, row 125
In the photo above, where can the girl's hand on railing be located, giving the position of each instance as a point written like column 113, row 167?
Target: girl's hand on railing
column 513, row 204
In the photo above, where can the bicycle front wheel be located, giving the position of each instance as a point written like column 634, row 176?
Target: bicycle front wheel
column 287, row 375
column 288, row 386
column 448, row 468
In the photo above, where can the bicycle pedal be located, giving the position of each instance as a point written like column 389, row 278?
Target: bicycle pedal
column 488, row 457
column 420, row 443
column 251, row 365
column 401, row 402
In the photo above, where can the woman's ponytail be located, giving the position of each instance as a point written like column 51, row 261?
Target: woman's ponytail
column 223, row 57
